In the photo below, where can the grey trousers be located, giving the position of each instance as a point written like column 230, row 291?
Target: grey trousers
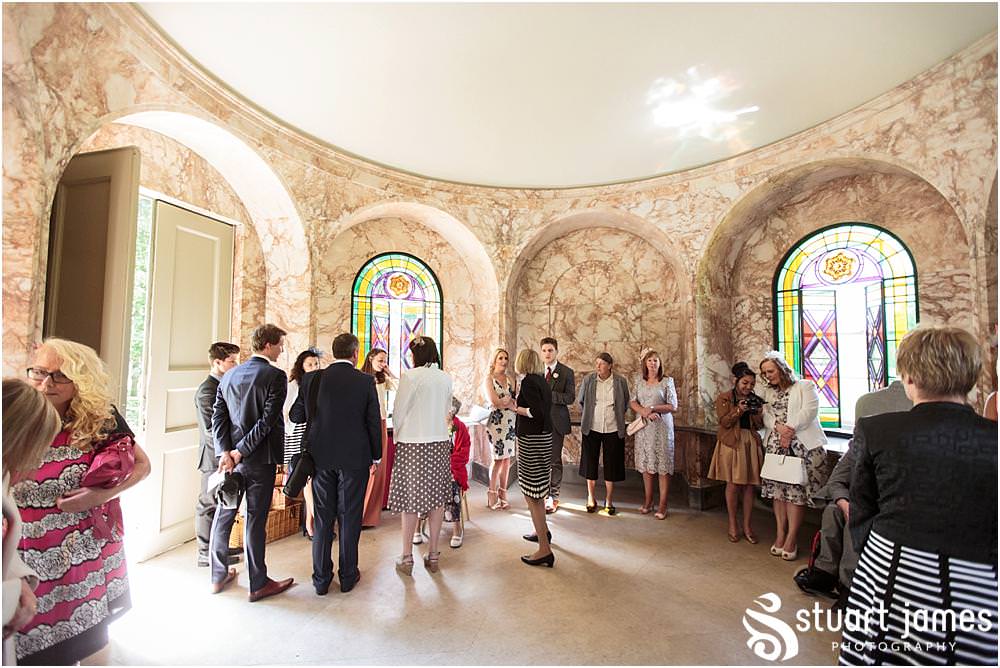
column 204, row 512
column 555, row 475
column 836, row 550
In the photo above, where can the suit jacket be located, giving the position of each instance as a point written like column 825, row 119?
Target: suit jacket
column 247, row 415
column 204, row 403
column 927, row 479
column 803, row 413
column 887, row 400
column 588, row 397
column 563, row 386
column 346, row 432
column 838, row 485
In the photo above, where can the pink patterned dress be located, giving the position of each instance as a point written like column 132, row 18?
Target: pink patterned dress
column 83, row 584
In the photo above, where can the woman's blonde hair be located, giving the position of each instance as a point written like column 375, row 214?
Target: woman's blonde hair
column 30, row 424
column 496, row 354
column 788, row 374
column 940, row 361
column 528, row 361
column 89, row 416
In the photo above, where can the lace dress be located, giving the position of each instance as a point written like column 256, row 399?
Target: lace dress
column 654, row 443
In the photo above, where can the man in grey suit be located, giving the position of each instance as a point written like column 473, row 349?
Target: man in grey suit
column 834, row 567
column 249, row 431
column 563, row 385
column 222, row 356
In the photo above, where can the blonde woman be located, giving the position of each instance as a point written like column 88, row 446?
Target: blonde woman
column 534, row 443
column 499, row 389
column 61, row 517
column 29, row 425
column 791, row 418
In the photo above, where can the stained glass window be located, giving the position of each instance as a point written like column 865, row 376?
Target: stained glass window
column 844, row 297
column 396, row 297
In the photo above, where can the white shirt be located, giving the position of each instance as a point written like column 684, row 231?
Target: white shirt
column 423, row 401
column 604, row 408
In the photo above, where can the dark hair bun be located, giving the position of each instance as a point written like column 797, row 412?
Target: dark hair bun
column 741, row 369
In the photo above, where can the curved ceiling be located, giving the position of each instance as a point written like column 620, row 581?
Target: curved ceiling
column 555, row 95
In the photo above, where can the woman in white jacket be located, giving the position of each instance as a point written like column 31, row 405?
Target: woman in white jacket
column 30, row 423
column 791, row 418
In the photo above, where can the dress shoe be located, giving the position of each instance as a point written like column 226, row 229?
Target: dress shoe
column 533, row 537
column 775, row 551
column 550, row 506
column 816, row 581
column 431, row 562
column 322, row 591
column 611, row 510
column 790, row 556
column 404, row 564
column 592, row 508
column 270, row 589
column 346, row 588
column 217, row 587
column 456, row 541
column 548, row 560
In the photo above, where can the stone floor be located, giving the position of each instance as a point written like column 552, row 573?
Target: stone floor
column 625, row 590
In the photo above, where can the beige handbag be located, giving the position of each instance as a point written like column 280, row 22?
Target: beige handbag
column 784, row 468
column 636, row 425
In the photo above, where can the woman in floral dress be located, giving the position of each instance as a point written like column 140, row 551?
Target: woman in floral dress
column 655, row 399
column 500, row 391
column 72, row 535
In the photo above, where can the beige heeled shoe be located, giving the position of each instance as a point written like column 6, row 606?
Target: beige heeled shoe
column 431, row 562
column 502, row 503
column 492, row 499
column 404, row 564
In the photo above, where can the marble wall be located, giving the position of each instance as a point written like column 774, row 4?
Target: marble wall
column 71, row 69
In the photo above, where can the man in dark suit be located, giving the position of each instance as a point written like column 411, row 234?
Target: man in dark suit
column 223, row 357
column 249, row 434
column 563, row 385
column 345, row 439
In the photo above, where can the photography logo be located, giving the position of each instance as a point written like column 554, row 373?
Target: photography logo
column 776, row 641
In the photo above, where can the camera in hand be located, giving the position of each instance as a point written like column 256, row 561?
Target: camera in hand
column 754, row 403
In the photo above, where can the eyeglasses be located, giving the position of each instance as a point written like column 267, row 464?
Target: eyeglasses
column 58, row 377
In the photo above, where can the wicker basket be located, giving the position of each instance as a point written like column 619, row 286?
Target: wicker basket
column 281, row 522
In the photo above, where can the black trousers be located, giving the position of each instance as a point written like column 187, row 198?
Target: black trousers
column 556, row 474
column 338, row 494
column 613, row 447
column 260, row 484
column 204, row 513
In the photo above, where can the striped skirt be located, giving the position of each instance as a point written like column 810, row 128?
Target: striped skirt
column 534, row 465
column 908, row 606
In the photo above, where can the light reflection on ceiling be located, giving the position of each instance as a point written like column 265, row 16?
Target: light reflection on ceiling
column 560, row 94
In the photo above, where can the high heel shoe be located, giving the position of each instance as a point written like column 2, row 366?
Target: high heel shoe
column 431, row 562
column 751, row 538
column 776, row 551
column 492, row 499
column 502, row 499
column 404, row 564
column 790, row 556
column 548, row 560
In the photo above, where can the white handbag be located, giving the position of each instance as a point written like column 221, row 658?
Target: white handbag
column 635, row 425
column 784, row 468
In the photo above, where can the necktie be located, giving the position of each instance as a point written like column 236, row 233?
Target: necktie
column 548, row 374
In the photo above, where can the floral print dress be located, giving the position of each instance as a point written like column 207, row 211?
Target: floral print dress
column 814, row 459
column 500, row 426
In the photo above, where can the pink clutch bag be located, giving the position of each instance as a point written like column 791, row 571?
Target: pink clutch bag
column 111, row 465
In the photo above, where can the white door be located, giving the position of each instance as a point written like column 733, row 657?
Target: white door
column 190, row 299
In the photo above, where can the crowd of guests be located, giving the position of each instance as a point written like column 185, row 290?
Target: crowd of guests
column 909, row 511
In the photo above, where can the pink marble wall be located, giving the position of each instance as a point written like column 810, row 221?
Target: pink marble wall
column 174, row 170
column 71, row 69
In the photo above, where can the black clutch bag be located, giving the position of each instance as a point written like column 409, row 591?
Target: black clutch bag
column 230, row 492
column 302, row 465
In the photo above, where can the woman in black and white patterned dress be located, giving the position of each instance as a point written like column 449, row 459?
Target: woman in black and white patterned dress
column 534, row 449
column 421, row 472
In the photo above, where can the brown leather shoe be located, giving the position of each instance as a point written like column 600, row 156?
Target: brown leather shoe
column 271, row 588
column 219, row 586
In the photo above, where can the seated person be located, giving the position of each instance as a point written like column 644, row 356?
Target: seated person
column 833, row 568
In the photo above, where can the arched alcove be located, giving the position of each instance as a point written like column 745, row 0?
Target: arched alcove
column 734, row 279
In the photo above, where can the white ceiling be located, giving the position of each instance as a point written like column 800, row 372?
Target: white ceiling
column 563, row 94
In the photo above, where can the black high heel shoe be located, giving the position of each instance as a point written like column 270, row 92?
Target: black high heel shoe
column 533, row 537
column 548, row 560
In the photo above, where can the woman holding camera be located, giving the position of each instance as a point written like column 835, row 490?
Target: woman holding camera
column 738, row 452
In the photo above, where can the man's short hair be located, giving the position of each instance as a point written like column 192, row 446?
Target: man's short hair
column 606, row 357
column 220, row 350
column 941, row 361
column 549, row 339
column 424, row 351
column 345, row 345
column 264, row 335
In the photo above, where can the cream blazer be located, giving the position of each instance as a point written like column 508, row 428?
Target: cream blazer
column 803, row 414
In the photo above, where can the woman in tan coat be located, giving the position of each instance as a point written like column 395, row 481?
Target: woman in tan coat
column 738, row 454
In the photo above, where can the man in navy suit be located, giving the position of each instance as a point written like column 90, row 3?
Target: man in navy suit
column 345, row 439
column 249, row 432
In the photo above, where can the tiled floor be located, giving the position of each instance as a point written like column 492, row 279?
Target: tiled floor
column 624, row 590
